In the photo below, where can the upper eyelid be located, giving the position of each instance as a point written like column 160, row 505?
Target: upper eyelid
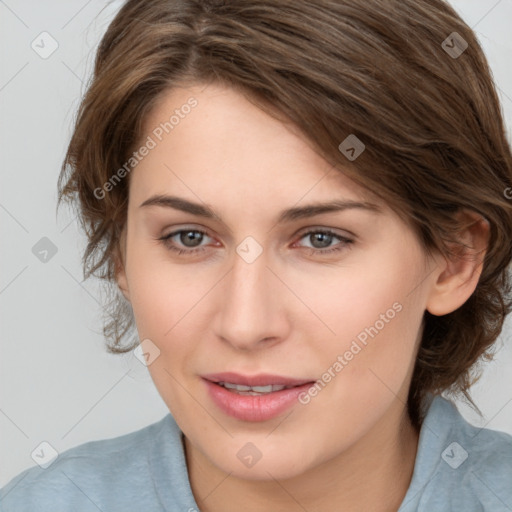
column 304, row 230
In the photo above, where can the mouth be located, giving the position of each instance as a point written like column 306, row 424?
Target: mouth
column 262, row 383
column 240, row 389
column 254, row 398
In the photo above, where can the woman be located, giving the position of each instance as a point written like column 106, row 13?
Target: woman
column 304, row 207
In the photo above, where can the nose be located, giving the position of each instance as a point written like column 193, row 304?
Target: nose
column 254, row 302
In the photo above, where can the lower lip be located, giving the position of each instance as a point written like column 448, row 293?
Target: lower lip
column 255, row 407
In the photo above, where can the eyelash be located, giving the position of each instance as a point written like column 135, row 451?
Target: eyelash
column 344, row 241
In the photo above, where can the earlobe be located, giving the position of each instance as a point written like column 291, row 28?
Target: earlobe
column 120, row 272
column 122, row 283
column 460, row 273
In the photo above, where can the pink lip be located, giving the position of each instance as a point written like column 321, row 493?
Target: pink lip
column 263, row 379
column 252, row 407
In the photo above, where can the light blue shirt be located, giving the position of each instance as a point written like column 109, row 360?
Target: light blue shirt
column 458, row 467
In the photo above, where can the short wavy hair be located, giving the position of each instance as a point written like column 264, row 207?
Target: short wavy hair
column 395, row 74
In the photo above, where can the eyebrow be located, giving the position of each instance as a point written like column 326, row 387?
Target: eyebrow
column 288, row 215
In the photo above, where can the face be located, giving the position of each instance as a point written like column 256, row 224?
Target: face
column 329, row 304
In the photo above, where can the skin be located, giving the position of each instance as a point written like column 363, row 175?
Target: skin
column 289, row 312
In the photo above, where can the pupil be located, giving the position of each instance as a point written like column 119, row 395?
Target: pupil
column 326, row 238
column 191, row 236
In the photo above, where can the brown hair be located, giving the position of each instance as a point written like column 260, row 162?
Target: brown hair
column 382, row 71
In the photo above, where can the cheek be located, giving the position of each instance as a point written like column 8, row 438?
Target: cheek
column 162, row 293
column 166, row 299
column 366, row 366
column 374, row 321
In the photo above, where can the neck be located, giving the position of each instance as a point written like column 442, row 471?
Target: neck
column 374, row 474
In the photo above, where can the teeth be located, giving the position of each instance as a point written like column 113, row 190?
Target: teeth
column 267, row 389
column 253, row 390
column 238, row 387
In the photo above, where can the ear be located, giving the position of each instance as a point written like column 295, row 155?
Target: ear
column 120, row 264
column 459, row 275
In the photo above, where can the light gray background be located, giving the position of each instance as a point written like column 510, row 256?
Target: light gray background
column 57, row 383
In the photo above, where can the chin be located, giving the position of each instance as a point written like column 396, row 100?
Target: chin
column 269, row 470
column 262, row 461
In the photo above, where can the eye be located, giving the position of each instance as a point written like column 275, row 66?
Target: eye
column 323, row 238
column 192, row 238
column 185, row 236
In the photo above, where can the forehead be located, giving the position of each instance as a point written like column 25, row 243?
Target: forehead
column 211, row 143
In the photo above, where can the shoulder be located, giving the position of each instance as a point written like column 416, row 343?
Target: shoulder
column 481, row 450
column 460, row 466
column 92, row 474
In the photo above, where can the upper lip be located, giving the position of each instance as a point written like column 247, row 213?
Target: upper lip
column 263, row 379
